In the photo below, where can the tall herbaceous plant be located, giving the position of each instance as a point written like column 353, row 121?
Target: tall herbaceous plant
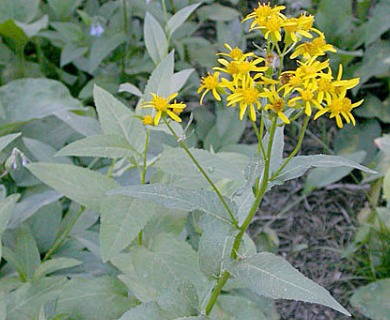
column 177, row 234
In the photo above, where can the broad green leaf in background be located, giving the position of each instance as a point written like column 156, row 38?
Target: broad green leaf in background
column 6, row 140
column 217, row 12
column 373, row 300
column 101, row 146
column 15, row 36
column 178, row 198
column 54, row 265
column 179, row 79
column 180, row 300
column 3, row 305
column 122, row 218
column 269, row 275
column 146, row 311
column 166, row 262
column 79, row 184
column 300, row 164
column 106, row 81
column 32, row 29
column 26, row 258
column 180, row 17
column 115, row 118
column 375, row 62
column 33, row 200
column 29, row 298
column 68, row 31
column 63, row 9
column 155, row 39
column 6, row 207
column 383, row 143
column 70, row 53
column 102, row 47
column 87, row 126
column 373, row 107
column 19, row 10
column 27, row 99
column 94, row 299
column 43, row 152
column 378, row 22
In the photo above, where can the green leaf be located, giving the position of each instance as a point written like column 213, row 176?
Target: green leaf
column 79, row 184
column 130, row 88
column 71, row 52
column 33, row 200
column 215, row 244
column 146, row 311
column 29, row 297
column 160, row 79
column 32, row 29
column 217, row 12
column 6, row 140
column 3, row 305
column 180, row 17
column 43, row 152
column 177, row 198
column 122, row 218
column 94, row 299
column 373, row 300
column 155, row 39
column 375, row 62
column 179, row 79
column 374, row 108
column 26, row 253
column 27, row 99
column 100, row 146
column 15, row 36
column 54, row 265
column 378, row 23
column 6, row 207
column 383, row 143
column 271, row 276
column 321, row 177
column 115, row 118
column 63, row 9
column 84, row 125
column 166, row 262
column 69, row 32
column 102, row 47
column 300, row 164
column 19, row 10
column 218, row 166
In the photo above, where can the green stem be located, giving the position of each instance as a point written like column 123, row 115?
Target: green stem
column 62, row 236
column 125, row 29
column 295, row 151
column 237, row 241
column 144, row 167
column 205, row 175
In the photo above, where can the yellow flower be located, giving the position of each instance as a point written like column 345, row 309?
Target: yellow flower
column 271, row 28
column 340, row 106
column 262, row 13
column 308, row 97
column 162, row 106
column 315, row 48
column 343, row 85
column 296, row 26
column 210, row 83
column 276, row 103
column 235, row 53
column 246, row 95
column 147, row 120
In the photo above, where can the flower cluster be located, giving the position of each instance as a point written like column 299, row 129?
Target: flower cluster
column 255, row 83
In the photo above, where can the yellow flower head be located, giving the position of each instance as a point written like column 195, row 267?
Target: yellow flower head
column 147, row 120
column 235, row 53
column 276, row 103
column 246, row 96
column 210, row 83
column 343, row 85
column 263, row 13
column 340, row 107
column 163, row 107
column 315, row 48
column 307, row 97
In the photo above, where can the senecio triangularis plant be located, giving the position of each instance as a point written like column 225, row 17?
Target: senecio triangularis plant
column 270, row 97
column 177, row 234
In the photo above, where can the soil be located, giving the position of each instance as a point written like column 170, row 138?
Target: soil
column 314, row 231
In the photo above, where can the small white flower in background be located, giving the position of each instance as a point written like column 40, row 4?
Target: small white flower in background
column 16, row 159
column 96, row 29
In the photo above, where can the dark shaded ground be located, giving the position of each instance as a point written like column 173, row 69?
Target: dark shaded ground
column 313, row 232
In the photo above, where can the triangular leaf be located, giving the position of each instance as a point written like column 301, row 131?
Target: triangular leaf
column 271, row 276
column 82, row 185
